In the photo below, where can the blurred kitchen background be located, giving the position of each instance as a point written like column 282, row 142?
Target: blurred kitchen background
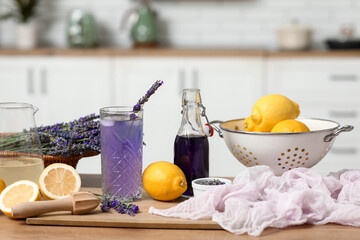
column 199, row 23
column 72, row 57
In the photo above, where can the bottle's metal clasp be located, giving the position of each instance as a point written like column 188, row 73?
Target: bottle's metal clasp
column 203, row 114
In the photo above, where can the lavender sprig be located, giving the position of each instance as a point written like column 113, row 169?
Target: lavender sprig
column 107, row 203
column 137, row 107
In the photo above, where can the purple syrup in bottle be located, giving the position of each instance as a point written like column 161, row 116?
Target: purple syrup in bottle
column 192, row 157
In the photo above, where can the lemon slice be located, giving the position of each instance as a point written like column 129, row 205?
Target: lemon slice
column 18, row 192
column 58, row 180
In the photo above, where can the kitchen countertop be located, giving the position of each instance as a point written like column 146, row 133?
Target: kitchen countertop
column 158, row 52
column 323, row 53
column 173, row 52
column 18, row 229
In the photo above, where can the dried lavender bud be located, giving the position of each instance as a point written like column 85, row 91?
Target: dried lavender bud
column 212, row 182
column 104, row 204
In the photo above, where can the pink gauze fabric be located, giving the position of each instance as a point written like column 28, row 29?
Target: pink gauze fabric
column 258, row 199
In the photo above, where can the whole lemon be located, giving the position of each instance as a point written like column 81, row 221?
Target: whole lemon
column 164, row 181
column 268, row 111
column 290, row 125
column 2, row 185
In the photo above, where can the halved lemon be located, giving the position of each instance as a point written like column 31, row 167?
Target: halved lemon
column 2, row 185
column 18, row 192
column 58, row 180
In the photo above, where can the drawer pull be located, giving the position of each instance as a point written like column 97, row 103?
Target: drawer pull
column 30, row 81
column 195, row 76
column 43, row 81
column 347, row 151
column 344, row 77
column 181, row 80
column 343, row 114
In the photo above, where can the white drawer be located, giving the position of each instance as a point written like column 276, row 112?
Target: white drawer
column 335, row 79
column 344, row 114
column 344, row 154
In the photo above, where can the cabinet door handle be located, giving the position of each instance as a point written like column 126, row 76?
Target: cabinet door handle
column 181, row 81
column 344, row 150
column 344, row 77
column 30, row 81
column 195, row 78
column 343, row 114
column 43, row 86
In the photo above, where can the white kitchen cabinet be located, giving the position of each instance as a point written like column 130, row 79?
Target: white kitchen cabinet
column 18, row 80
column 162, row 113
column 328, row 89
column 63, row 88
column 74, row 87
column 228, row 85
column 315, row 79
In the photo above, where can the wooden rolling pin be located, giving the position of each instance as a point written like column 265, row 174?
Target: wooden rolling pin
column 77, row 203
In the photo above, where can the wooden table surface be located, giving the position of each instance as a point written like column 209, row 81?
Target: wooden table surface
column 18, row 229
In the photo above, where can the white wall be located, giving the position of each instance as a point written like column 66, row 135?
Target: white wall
column 198, row 23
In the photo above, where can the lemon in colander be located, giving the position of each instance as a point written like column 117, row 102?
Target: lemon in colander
column 290, row 125
column 268, row 111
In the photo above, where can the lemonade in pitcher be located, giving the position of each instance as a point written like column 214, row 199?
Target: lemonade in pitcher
column 19, row 168
column 20, row 149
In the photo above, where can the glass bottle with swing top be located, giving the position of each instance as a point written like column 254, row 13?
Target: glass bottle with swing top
column 191, row 146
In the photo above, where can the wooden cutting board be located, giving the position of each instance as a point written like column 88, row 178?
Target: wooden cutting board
column 97, row 218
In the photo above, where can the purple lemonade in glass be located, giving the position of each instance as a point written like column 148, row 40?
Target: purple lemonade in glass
column 121, row 153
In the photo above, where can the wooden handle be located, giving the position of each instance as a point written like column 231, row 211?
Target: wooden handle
column 28, row 209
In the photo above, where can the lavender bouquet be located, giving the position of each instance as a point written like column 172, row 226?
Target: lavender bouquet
column 74, row 138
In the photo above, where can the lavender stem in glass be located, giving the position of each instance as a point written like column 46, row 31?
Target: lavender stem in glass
column 137, row 107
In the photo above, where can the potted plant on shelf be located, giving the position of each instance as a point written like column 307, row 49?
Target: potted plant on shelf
column 24, row 12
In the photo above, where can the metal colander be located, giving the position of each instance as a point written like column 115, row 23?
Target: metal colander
column 280, row 151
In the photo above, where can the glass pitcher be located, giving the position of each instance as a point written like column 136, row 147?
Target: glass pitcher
column 20, row 148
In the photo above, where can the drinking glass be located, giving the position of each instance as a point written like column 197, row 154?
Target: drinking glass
column 121, row 152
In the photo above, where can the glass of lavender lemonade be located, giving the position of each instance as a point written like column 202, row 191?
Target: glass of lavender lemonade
column 121, row 152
